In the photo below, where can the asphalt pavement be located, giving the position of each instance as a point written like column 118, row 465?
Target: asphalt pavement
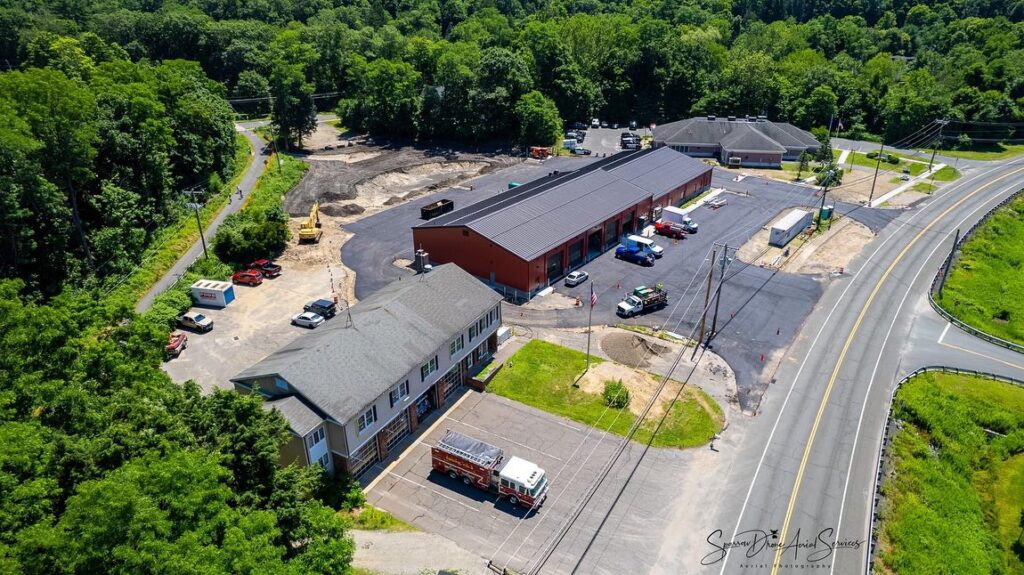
column 799, row 477
column 179, row 268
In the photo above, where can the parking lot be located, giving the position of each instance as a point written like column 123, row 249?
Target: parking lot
column 256, row 324
column 571, row 456
column 602, row 141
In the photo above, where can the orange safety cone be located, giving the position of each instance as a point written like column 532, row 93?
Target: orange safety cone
column 618, row 285
column 762, row 357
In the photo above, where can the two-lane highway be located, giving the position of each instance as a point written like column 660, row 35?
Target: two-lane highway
column 805, row 478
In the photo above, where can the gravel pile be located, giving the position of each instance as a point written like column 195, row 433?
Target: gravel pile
column 630, row 349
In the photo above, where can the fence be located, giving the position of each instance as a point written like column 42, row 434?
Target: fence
column 936, row 282
column 886, row 432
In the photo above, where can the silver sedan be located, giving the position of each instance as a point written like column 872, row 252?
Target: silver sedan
column 307, row 319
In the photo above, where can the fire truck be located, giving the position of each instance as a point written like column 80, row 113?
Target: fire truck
column 484, row 465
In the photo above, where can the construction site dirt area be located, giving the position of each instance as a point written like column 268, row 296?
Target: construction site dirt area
column 818, row 254
column 856, row 186
column 641, row 386
column 361, row 180
column 258, row 322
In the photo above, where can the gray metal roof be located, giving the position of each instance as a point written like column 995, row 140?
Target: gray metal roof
column 747, row 139
column 701, row 131
column 340, row 368
column 301, row 419
column 531, row 219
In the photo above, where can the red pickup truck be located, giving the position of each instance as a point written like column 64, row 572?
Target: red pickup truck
column 670, row 229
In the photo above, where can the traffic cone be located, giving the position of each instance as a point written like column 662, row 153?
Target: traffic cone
column 618, row 285
column 762, row 357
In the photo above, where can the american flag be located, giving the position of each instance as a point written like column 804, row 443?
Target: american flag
column 593, row 297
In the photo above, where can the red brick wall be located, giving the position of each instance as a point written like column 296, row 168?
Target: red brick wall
column 473, row 253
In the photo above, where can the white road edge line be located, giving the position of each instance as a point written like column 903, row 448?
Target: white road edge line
column 792, row 385
column 881, row 352
column 944, row 330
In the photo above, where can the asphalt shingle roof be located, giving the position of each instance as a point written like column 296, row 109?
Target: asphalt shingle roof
column 747, row 139
column 531, row 219
column 301, row 419
column 340, row 368
column 701, row 131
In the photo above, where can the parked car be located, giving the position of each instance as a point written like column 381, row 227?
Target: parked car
column 615, row 126
column 595, row 123
column 579, row 126
column 322, row 307
column 576, row 278
column 632, row 124
column 580, row 136
column 247, row 277
column 307, row 319
column 643, row 299
column 329, row 147
column 670, row 230
column 195, row 320
column 581, row 151
column 905, row 176
column 635, row 255
column 604, row 124
column 176, row 343
column 268, row 268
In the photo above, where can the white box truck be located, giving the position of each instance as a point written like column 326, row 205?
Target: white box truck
column 213, row 293
column 789, row 227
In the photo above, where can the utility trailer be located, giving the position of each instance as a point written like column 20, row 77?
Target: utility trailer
column 483, row 465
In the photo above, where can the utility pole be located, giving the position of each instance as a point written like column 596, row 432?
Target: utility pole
column 718, row 294
column 949, row 263
column 707, row 298
column 199, row 224
column 824, row 192
column 935, row 143
column 878, row 163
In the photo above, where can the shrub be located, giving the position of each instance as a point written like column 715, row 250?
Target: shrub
column 891, row 159
column 872, row 155
column 615, row 394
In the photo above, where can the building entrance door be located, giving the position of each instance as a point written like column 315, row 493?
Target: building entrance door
column 555, row 268
column 593, row 243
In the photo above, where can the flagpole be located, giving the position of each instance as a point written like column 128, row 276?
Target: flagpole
column 590, row 317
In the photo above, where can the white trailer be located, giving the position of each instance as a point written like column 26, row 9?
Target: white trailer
column 789, row 227
column 673, row 214
column 213, row 293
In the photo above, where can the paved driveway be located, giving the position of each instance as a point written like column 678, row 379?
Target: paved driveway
column 571, row 455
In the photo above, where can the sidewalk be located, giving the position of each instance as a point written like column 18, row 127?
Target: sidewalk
column 196, row 251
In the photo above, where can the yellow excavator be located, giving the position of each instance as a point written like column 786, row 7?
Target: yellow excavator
column 310, row 230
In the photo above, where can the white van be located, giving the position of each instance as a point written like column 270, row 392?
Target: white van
column 647, row 244
column 569, row 144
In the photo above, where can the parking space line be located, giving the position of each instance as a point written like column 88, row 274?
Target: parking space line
column 408, row 450
column 434, row 491
column 544, row 453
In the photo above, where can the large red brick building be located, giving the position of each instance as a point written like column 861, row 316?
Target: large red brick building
column 523, row 240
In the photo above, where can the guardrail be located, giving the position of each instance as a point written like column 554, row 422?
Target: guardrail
column 886, row 434
column 950, row 261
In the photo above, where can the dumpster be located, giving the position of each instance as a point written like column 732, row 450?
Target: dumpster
column 437, row 208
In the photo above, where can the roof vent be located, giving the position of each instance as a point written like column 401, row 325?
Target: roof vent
column 732, row 118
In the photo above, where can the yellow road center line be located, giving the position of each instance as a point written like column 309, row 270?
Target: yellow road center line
column 842, row 358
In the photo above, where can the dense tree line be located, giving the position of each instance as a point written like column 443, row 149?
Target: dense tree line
column 93, row 149
column 106, row 466
column 459, row 69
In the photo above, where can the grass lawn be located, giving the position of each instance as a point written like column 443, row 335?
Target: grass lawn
column 953, row 495
column 946, row 174
column 542, row 376
column 171, row 242
column 985, row 285
column 369, row 518
column 861, row 159
column 993, row 152
column 923, row 187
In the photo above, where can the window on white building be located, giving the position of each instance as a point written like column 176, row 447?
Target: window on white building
column 399, row 393
column 428, row 368
column 324, row 460
column 313, row 438
column 367, row 419
column 472, row 332
column 456, row 345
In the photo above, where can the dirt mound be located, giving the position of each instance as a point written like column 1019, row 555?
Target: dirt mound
column 631, row 349
column 641, row 386
column 393, row 187
column 342, row 210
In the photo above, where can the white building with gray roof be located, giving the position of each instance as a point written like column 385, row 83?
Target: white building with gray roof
column 750, row 141
column 356, row 386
